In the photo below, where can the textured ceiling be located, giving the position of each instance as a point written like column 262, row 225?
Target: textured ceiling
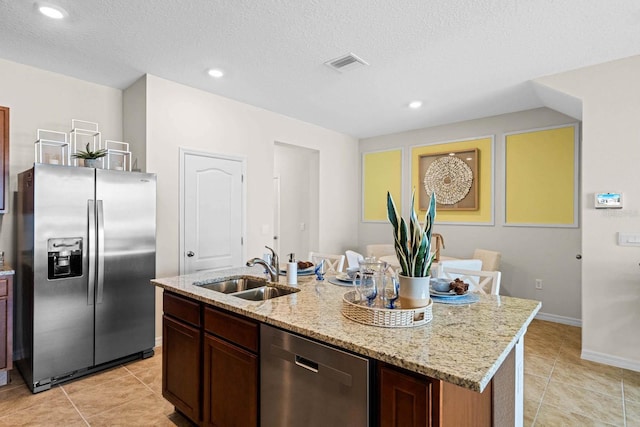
column 464, row 58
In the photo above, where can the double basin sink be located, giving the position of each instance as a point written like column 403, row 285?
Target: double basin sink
column 247, row 287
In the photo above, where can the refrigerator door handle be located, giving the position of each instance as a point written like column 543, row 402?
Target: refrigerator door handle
column 100, row 218
column 91, row 275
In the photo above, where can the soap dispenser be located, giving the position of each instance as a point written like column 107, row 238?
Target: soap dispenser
column 292, row 270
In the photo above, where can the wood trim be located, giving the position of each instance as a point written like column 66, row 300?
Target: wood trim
column 4, row 158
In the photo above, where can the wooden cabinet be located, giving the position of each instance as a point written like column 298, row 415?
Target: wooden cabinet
column 405, row 399
column 409, row 399
column 210, row 363
column 4, row 158
column 181, row 354
column 6, row 327
column 230, row 369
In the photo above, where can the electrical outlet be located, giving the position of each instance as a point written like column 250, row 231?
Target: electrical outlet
column 538, row 283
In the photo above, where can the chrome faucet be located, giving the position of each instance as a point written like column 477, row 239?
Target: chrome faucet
column 272, row 269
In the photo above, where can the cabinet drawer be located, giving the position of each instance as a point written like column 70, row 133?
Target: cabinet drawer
column 4, row 287
column 243, row 332
column 181, row 308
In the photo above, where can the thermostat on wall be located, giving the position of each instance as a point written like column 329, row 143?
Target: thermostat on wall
column 608, row 201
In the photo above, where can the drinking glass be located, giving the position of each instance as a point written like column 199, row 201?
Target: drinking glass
column 389, row 293
column 366, row 286
column 321, row 270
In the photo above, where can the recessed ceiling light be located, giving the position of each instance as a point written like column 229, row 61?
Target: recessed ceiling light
column 51, row 11
column 415, row 104
column 215, row 73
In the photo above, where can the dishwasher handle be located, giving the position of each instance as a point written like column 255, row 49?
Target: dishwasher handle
column 319, row 368
column 306, row 363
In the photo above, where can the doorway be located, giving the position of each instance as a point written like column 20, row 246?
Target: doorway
column 296, row 193
column 212, row 213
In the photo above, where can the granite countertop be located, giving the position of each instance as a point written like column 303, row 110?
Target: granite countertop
column 463, row 344
column 6, row 270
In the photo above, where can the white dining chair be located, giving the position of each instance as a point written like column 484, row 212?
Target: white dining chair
column 490, row 259
column 484, row 282
column 334, row 263
column 465, row 264
column 380, row 250
column 353, row 258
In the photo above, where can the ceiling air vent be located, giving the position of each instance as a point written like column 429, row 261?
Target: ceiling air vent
column 346, row 63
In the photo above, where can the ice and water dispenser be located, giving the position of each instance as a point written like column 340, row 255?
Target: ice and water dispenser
column 65, row 257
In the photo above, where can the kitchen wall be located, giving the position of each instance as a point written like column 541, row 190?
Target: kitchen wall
column 41, row 99
column 180, row 116
column 528, row 253
column 610, row 95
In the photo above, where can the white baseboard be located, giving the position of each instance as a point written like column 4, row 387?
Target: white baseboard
column 159, row 341
column 559, row 319
column 607, row 359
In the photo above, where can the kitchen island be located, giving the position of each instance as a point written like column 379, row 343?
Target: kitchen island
column 470, row 348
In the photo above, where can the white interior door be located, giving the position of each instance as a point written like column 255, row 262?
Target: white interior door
column 212, row 212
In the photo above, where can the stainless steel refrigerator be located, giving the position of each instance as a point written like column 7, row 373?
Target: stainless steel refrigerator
column 86, row 255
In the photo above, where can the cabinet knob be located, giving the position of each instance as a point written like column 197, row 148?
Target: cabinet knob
column 190, row 254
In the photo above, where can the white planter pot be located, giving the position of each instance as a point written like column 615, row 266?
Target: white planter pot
column 414, row 291
column 91, row 163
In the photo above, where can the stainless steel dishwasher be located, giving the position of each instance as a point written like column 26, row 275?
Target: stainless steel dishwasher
column 305, row 383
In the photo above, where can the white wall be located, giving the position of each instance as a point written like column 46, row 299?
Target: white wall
column 41, row 99
column 180, row 116
column 527, row 253
column 610, row 95
column 297, row 170
column 134, row 110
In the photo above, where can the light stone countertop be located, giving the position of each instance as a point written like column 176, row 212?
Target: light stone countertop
column 463, row 344
column 6, row 270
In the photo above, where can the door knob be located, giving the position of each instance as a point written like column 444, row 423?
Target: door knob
column 578, row 256
column 190, row 254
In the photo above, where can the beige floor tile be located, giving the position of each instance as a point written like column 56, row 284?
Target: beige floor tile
column 600, row 378
column 632, row 412
column 149, row 410
column 541, row 350
column 56, row 409
column 576, row 400
column 530, row 411
column 152, row 378
column 538, row 365
column 154, row 362
column 108, row 395
column 534, row 387
column 550, row 416
column 15, row 380
column 20, row 397
column 94, row 380
column 631, row 384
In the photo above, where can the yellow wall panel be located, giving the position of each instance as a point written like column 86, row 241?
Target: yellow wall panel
column 485, row 177
column 540, row 177
column 381, row 172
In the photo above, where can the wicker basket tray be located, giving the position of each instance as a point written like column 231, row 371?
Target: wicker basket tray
column 385, row 317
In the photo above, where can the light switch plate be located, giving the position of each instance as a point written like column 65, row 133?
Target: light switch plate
column 628, row 239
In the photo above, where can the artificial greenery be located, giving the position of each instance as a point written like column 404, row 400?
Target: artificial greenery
column 88, row 154
column 412, row 245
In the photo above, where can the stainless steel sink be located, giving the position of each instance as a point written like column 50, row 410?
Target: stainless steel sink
column 264, row 293
column 233, row 284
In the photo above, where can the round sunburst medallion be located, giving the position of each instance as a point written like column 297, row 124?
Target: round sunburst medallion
column 450, row 178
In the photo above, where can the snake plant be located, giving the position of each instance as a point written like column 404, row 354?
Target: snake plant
column 412, row 244
column 88, row 154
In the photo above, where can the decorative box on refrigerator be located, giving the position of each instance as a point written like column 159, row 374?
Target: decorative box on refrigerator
column 86, row 254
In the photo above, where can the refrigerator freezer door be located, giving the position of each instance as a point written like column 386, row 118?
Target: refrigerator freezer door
column 62, row 310
column 125, row 299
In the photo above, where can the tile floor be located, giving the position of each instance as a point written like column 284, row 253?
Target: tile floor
column 560, row 390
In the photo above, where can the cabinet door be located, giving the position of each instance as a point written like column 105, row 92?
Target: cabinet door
column 404, row 400
column 230, row 384
column 3, row 334
column 181, row 366
column 4, row 157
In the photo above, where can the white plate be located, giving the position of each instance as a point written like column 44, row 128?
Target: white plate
column 335, row 281
column 450, row 294
column 344, row 277
column 301, row 272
